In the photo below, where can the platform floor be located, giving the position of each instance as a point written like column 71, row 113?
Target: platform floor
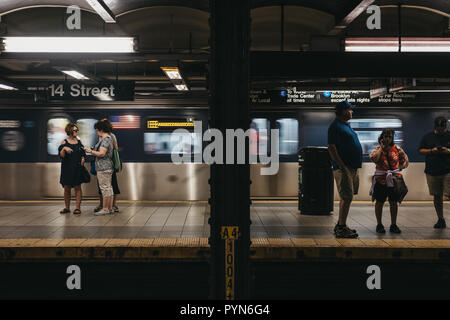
column 190, row 220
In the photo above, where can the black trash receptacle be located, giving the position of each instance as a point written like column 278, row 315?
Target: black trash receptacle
column 316, row 184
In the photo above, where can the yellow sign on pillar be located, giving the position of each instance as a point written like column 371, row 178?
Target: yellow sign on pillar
column 229, row 234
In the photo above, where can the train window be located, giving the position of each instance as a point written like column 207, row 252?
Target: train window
column 288, row 135
column 375, row 123
column 259, row 136
column 13, row 140
column 166, row 142
column 87, row 133
column 368, row 131
column 160, row 137
column 55, row 134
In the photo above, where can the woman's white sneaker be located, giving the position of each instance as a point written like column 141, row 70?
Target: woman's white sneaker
column 101, row 213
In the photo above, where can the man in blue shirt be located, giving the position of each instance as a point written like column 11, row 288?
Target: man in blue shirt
column 435, row 146
column 346, row 152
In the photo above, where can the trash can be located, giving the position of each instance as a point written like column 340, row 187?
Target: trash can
column 316, row 184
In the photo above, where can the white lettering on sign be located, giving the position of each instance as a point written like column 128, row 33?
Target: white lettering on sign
column 9, row 124
column 77, row 90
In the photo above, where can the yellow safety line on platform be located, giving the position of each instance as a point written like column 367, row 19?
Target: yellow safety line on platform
column 199, row 249
column 203, row 242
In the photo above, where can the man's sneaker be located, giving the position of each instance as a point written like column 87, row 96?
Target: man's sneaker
column 440, row 224
column 395, row 229
column 116, row 209
column 336, row 226
column 345, row 232
column 380, row 228
column 97, row 209
column 101, row 213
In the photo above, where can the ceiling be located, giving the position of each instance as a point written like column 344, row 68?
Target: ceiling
column 179, row 30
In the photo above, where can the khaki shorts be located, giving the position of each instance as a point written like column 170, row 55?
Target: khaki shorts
column 104, row 182
column 439, row 185
column 347, row 182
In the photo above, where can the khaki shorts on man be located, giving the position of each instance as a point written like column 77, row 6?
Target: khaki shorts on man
column 347, row 182
column 439, row 185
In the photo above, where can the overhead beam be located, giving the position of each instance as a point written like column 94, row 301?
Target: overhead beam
column 105, row 57
column 292, row 65
column 360, row 8
column 102, row 10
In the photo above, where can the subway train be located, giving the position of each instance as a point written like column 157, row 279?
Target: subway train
column 30, row 136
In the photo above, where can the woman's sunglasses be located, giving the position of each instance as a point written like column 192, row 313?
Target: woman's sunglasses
column 75, row 130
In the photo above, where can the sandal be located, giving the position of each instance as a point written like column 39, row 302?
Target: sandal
column 97, row 209
column 65, row 210
column 76, row 211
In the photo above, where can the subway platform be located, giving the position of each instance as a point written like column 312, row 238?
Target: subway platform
column 146, row 219
column 161, row 251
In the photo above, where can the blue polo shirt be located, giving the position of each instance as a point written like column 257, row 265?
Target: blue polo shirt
column 347, row 144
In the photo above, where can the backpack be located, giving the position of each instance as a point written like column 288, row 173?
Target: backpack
column 116, row 161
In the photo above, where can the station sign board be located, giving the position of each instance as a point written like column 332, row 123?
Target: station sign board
column 95, row 91
column 296, row 96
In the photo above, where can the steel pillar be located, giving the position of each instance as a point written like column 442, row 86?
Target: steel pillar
column 230, row 183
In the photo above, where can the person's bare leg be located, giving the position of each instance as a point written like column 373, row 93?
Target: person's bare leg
column 101, row 202
column 115, row 200
column 344, row 208
column 439, row 206
column 379, row 211
column 394, row 211
column 67, row 196
column 78, row 195
column 105, row 203
column 109, row 203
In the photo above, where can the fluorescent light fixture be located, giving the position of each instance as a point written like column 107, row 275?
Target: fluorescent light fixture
column 172, row 73
column 6, row 87
column 426, row 90
column 69, row 44
column 104, row 97
column 102, row 10
column 392, row 45
column 75, row 74
column 181, row 87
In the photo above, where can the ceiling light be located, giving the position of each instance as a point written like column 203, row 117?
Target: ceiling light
column 102, row 10
column 392, row 45
column 181, row 87
column 75, row 74
column 172, row 72
column 104, row 97
column 6, row 87
column 69, row 44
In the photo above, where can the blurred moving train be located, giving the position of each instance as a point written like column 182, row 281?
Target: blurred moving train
column 29, row 138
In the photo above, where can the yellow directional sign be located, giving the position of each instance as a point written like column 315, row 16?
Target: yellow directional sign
column 155, row 124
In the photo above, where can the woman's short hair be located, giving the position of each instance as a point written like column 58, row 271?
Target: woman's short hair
column 440, row 122
column 103, row 125
column 387, row 132
column 69, row 128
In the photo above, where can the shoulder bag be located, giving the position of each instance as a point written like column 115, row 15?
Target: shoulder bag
column 400, row 189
